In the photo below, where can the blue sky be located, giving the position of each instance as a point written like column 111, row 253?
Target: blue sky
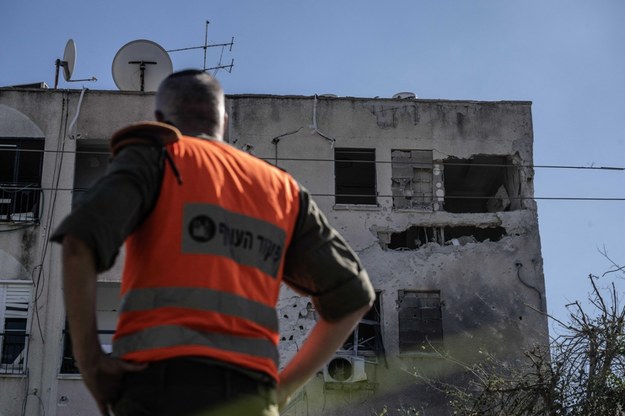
column 566, row 56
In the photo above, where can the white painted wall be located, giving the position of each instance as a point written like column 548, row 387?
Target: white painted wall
column 480, row 284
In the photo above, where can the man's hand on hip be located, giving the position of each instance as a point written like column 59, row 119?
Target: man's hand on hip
column 103, row 378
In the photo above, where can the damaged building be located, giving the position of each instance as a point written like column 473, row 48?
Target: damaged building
column 435, row 196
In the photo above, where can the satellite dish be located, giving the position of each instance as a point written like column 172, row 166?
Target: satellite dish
column 69, row 59
column 141, row 65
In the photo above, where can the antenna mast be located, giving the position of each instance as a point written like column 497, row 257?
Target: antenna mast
column 214, row 45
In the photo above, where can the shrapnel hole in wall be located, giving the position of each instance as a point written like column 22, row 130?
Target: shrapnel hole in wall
column 483, row 183
column 416, row 236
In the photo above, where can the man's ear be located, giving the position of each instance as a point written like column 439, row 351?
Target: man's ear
column 225, row 125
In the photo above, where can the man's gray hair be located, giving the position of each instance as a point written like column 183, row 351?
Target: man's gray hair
column 193, row 101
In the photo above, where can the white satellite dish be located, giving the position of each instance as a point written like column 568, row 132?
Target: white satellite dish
column 69, row 59
column 141, row 65
column 67, row 63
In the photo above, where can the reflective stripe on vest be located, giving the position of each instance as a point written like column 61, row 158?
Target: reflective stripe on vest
column 203, row 299
column 172, row 336
column 208, row 230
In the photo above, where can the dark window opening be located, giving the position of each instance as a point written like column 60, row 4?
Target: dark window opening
column 20, row 179
column 416, row 236
column 354, row 175
column 367, row 337
column 420, row 321
column 412, row 179
column 13, row 346
column 68, row 362
column 469, row 234
column 107, row 305
column 92, row 160
column 481, row 184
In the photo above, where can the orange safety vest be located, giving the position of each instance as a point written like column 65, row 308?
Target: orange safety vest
column 203, row 272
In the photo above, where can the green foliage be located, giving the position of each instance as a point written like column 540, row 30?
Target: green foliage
column 582, row 374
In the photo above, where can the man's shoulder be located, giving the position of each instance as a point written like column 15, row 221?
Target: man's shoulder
column 146, row 133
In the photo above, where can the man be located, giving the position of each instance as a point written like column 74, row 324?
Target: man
column 210, row 233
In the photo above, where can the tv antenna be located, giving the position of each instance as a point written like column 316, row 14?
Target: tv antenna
column 213, row 45
column 141, row 65
column 67, row 63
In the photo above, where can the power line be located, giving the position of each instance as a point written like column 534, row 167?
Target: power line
column 333, row 195
column 451, row 162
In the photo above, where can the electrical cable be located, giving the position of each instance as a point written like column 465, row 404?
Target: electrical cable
column 382, row 162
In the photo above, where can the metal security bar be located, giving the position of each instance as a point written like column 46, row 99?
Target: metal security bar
column 20, row 203
column 13, row 352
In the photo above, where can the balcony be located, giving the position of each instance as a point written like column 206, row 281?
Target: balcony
column 20, row 203
column 13, row 352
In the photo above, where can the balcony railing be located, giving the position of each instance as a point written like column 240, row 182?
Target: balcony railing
column 13, row 352
column 20, row 202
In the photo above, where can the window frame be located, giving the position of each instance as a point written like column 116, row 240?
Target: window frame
column 371, row 322
column 420, row 342
column 68, row 363
column 352, row 188
column 20, row 179
column 408, row 168
column 15, row 306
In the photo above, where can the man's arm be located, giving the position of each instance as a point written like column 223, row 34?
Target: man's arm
column 101, row 374
column 320, row 263
column 322, row 342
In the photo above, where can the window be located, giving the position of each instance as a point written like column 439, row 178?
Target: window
column 420, row 321
column 412, row 179
column 106, row 314
column 481, row 184
column 20, row 179
column 14, row 303
column 366, row 339
column 92, row 157
column 354, row 175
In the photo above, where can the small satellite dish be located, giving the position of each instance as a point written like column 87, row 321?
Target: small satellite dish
column 67, row 63
column 141, row 65
column 405, row 95
column 69, row 59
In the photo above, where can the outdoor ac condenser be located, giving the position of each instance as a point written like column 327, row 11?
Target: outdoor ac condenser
column 345, row 369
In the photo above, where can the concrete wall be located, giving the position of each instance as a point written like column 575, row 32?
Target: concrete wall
column 485, row 287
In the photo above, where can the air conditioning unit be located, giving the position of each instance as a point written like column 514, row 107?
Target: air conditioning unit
column 345, row 369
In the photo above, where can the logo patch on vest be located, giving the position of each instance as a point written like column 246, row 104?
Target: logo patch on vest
column 202, row 229
column 211, row 229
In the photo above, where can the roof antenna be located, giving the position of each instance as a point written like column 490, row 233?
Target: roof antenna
column 67, row 63
column 206, row 45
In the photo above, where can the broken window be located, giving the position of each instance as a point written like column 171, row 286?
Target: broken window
column 354, row 175
column 20, row 179
column 420, row 321
column 412, row 179
column 107, row 307
column 14, row 303
column 416, row 236
column 481, row 184
column 462, row 235
column 92, row 158
column 367, row 337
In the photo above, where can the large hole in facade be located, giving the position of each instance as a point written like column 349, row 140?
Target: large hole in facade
column 481, row 184
column 416, row 236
